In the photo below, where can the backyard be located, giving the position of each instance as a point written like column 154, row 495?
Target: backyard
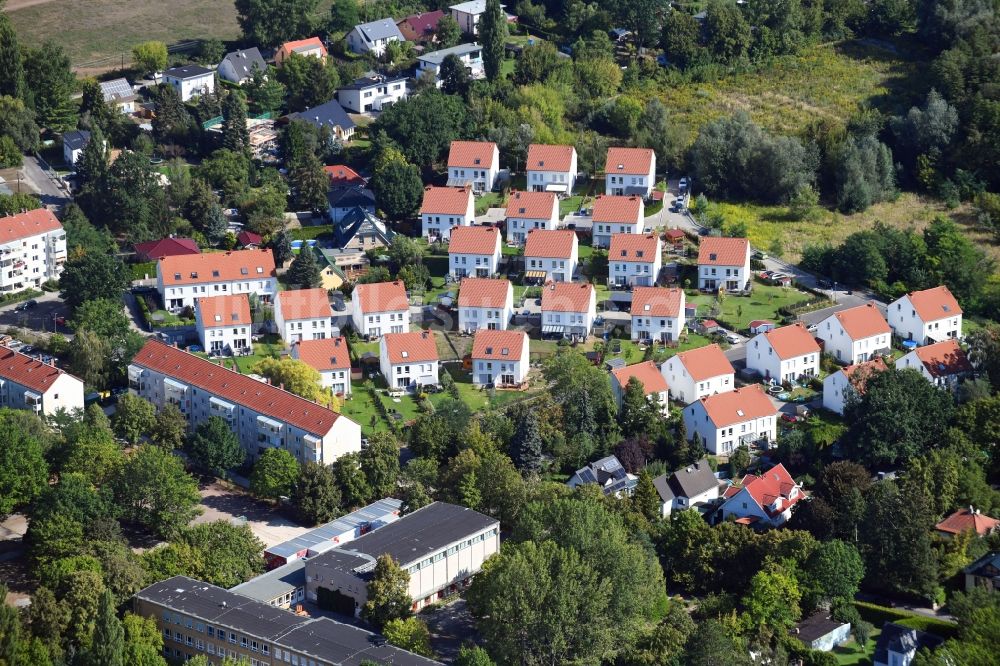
column 269, row 346
column 763, row 303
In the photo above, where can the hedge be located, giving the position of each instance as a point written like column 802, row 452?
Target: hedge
column 879, row 615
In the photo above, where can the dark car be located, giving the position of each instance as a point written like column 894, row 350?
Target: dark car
column 27, row 305
column 27, row 349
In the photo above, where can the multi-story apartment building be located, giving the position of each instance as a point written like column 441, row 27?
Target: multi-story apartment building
column 634, row 260
column 484, row 304
column 474, row 163
column 261, row 415
column 657, row 314
column 630, row 171
column 551, row 168
column 27, row 383
column 551, row 255
column 530, row 210
column 474, row 251
column 616, row 215
column 303, row 314
column 200, row 619
column 441, row 546
column 331, row 358
column 409, row 360
column 32, row 250
column 931, row 315
column 444, row 208
column 379, row 308
column 500, row 358
column 224, row 323
column 723, row 263
column 182, row 279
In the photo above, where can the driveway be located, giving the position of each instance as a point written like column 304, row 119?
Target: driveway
column 451, row 627
column 219, row 503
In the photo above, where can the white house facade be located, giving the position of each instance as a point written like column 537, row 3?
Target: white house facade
column 331, row 358
column 653, row 383
column 182, row 279
column 380, row 308
column 855, row 335
column 698, row 373
column 551, row 256
column 373, row 93
column 373, row 37
column 630, row 171
column 32, row 250
column 840, row 386
column 27, row 383
column 474, row 252
column 473, row 163
column 527, row 211
column 444, row 208
column 190, row 81
column 784, row 354
column 691, row 487
column 723, row 422
column 657, row 314
column 943, row 364
column 551, row 168
column 470, row 55
column 409, row 360
column 568, row 309
column 303, row 314
column 723, row 263
column 766, row 500
column 224, row 324
column 616, row 215
column 634, row 260
column 485, row 304
column 931, row 315
column 500, row 358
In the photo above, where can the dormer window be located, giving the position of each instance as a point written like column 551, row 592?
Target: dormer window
column 624, row 253
column 739, row 412
column 504, row 351
column 638, row 253
column 177, row 276
column 713, row 256
column 405, row 354
column 215, row 274
column 194, row 274
column 489, row 350
column 646, row 307
column 218, row 317
column 260, row 269
column 244, row 271
column 478, row 161
column 621, row 167
column 236, row 316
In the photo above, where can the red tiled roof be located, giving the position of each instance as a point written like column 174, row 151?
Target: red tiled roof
column 943, row 359
column 738, row 406
column 23, row 225
column 674, row 234
column 791, row 341
column 447, row 201
column 165, row 247
column 934, row 304
column 474, row 240
column 304, row 304
column 471, row 154
column 706, row 362
column 657, row 302
column 343, row 176
column 412, row 347
column 324, row 355
column 543, row 157
column 381, row 297
column 859, row 373
column 634, row 161
column 717, row 251
column 217, row 267
column 27, row 372
column 761, row 322
column 646, row 372
column 533, row 205
column 483, row 293
column 425, row 23
column 634, row 247
column 245, row 238
column 967, row 519
column 863, row 321
column 567, row 297
column 622, row 210
column 229, row 310
column 555, row 243
column 769, row 486
column 297, row 45
column 498, row 345
column 265, row 399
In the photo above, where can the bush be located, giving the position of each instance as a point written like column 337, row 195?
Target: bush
column 879, row 615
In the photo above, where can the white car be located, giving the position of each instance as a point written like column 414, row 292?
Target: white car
column 683, row 184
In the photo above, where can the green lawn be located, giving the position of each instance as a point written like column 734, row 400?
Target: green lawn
column 160, row 318
column 270, row 346
column 631, row 353
column 851, row 654
column 489, row 200
column 311, row 232
column 762, row 304
column 360, row 347
column 570, row 205
column 141, row 271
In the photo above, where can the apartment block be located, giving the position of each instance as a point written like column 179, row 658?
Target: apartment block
column 32, row 250
column 27, row 383
column 182, row 279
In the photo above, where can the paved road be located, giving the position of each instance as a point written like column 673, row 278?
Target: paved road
column 50, row 189
column 39, row 319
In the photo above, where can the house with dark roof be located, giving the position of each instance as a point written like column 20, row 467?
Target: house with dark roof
column 984, row 572
column 74, row 142
column 165, row 247
column 693, row 487
column 374, row 36
column 821, row 632
column 361, row 229
column 343, row 200
column 764, row 500
column 27, row 383
column 118, row 94
column 190, row 81
column 470, row 55
column 898, row 645
column 248, row 240
column 239, row 66
column 331, row 116
column 373, row 92
column 420, row 27
column 609, row 475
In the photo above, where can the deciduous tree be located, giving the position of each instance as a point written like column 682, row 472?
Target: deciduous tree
column 150, row 56
column 134, row 417
column 169, row 428
column 153, row 489
column 274, row 474
column 380, row 463
column 398, row 189
column 215, row 446
column 316, row 495
column 388, row 596
column 493, row 37
column 271, row 22
column 410, row 634
column 23, row 470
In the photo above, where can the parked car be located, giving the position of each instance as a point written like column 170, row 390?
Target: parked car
column 760, row 256
column 27, row 349
column 765, row 275
column 683, row 185
column 812, row 328
column 733, row 339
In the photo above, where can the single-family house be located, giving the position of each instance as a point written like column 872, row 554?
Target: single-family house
column 224, row 324
column 855, row 335
column 657, row 314
column 764, row 500
column 629, row 171
column 42, row 388
column 311, row 47
column 360, row 230
column 616, row 215
column 967, row 519
column 74, row 142
column 609, row 475
column 761, row 326
column 944, row 364
column 530, row 210
column 118, row 94
column 821, row 632
column 409, row 359
column 341, row 201
column 551, row 256
column 784, row 354
column 693, row 486
column 474, row 251
column 484, row 303
column 470, row 55
column 374, row 36
column 239, row 66
column 420, row 27
column 467, row 14
column 634, row 260
column 379, row 308
column 190, row 81
column 303, row 314
column 984, row 572
column 724, row 263
column 331, row 116
column 695, row 374
column 248, row 240
column 331, row 358
column 474, row 163
column 165, row 247
column 723, row 422
column 444, row 208
column 500, row 358
column 373, row 93
column 181, row 280
column 898, row 645
column 568, row 309
column 653, row 383
column 551, row 168
column 343, row 176
column 931, row 315
column 839, row 387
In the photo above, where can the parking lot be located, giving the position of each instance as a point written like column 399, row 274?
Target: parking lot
column 41, row 319
column 220, row 503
